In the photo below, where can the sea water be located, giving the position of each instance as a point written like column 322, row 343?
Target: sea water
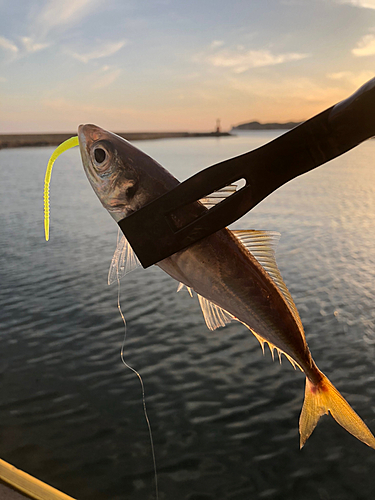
column 224, row 417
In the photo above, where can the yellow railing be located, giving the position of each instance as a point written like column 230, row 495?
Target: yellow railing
column 35, row 489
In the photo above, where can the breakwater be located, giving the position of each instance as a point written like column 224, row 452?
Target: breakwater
column 30, row 140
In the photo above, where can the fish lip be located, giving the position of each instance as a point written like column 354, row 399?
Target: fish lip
column 85, row 139
column 81, row 137
column 82, row 140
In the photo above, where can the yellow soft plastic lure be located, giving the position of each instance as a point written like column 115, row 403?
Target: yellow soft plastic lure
column 69, row 143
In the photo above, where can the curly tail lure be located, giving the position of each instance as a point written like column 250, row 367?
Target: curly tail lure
column 69, row 143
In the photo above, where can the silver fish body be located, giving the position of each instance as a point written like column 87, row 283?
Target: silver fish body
column 221, row 269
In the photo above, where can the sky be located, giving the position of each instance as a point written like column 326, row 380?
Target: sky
column 178, row 65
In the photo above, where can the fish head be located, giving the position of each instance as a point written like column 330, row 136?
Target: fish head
column 123, row 177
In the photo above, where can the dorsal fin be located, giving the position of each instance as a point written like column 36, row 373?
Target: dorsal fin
column 214, row 315
column 124, row 260
column 262, row 245
column 218, row 196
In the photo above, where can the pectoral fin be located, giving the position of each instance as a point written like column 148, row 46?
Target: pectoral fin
column 124, row 260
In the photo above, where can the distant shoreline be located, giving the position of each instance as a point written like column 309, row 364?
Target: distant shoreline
column 265, row 126
column 36, row 140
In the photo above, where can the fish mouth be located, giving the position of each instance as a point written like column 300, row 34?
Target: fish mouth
column 83, row 146
column 90, row 133
column 87, row 135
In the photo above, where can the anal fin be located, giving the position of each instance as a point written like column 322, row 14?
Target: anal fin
column 181, row 286
column 214, row 315
column 273, row 348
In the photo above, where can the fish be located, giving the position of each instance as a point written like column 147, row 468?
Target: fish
column 234, row 273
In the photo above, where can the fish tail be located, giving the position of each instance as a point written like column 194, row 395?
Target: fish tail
column 323, row 398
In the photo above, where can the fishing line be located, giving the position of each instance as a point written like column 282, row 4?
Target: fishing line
column 69, row 143
column 142, row 389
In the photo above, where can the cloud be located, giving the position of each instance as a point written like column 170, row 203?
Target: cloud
column 105, row 50
column 82, row 111
column 107, row 78
column 354, row 79
column 8, row 45
column 340, row 75
column 290, row 90
column 241, row 60
column 216, row 43
column 2, row 79
column 365, row 46
column 365, row 4
column 32, row 46
column 43, row 22
column 295, row 2
column 28, row 44
column 57, row 12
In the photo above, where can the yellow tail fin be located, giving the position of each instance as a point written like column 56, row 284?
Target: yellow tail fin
column 323, row 398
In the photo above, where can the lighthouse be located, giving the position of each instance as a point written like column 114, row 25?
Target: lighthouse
column 218, row 126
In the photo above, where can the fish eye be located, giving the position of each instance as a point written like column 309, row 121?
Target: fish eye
column 100, row 155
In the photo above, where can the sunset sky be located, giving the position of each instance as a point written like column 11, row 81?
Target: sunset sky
column 138, row 65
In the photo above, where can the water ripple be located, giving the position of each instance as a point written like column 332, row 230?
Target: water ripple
column 224, row 417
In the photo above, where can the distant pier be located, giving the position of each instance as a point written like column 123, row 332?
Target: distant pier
column 35, row 140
